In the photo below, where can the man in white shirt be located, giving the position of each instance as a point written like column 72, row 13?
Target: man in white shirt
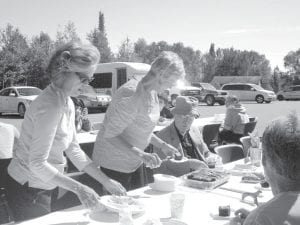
column 281, row 162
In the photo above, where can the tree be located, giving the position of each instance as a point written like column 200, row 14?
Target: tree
column 209, row 64
column 98, row 38
column 40, row 51
column 68, row 34
column 292, row 61
column 126, row 52
column 13, row 55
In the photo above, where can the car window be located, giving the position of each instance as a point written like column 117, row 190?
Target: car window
column 13, row 92
column 227, row 87
column 5, row 92
column 297, row 88
column 208, row 86
column 196, row 84
column 29, row 91
column 257, row 87
column 234, row 87
column 247, row 87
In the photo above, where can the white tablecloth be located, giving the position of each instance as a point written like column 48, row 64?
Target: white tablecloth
column 199, row 205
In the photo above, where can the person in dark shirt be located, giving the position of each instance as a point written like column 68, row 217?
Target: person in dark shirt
column 82, row 123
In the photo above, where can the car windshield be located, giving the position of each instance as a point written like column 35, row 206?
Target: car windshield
column 259, row 88
column 208, row 86
column 29, row 91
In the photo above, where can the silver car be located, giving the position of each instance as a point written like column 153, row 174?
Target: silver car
column 95, row 100
column 17, row 99
column 289, row 93
column 249, row 92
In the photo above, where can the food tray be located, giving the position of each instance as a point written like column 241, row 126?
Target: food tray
column 218, row 178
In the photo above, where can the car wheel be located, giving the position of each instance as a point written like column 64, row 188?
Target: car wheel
column 210, row 100
column 280, row 97
column 259, row 99
column 267, row 101
column 21, row 109
column 173, row 99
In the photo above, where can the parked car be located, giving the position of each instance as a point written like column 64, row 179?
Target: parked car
column 209, row 94
column 292, row 92
column 95, row 100
column 249, row 92
column 184, row 91
column 17, row 99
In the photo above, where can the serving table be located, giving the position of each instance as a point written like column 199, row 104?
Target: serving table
column 199, row 207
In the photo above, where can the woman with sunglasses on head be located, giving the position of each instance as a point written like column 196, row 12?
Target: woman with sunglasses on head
column 47, row 132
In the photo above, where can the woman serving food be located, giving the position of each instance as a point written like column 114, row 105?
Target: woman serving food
column 47, row 132
column 130, row 119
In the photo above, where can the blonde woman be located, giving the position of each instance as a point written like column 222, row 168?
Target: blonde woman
column 235, row 120
column 128, row 125
column 47, row 132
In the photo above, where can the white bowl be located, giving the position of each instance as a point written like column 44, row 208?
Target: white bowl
column 164, row 182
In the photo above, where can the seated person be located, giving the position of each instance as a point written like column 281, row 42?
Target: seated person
column 8, row 135
column 281, row 163
column 165, row 112
column 82, row 123
column 186, row 138
column 234, row 123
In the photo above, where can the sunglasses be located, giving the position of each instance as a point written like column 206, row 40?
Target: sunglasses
column 83, row 78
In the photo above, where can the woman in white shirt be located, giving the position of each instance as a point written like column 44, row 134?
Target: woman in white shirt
column 47, row 132
column 127, row 128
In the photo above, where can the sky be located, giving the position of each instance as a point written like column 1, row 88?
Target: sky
column 270, row 27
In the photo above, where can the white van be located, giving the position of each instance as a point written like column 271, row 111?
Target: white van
column 108, row 77
column 249, row 92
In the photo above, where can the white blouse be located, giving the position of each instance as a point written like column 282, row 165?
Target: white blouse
column 47, row 132
column 132, row 117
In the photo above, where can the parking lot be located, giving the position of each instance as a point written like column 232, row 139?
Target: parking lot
column 264, row 112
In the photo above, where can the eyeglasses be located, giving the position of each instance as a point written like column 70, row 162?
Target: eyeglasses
column 83, row 78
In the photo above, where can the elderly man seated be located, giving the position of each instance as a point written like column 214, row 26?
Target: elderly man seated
column 281, row 162
column 186, row 138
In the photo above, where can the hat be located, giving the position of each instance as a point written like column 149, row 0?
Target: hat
column 185, row 105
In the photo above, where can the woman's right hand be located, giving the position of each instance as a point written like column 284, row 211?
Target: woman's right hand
column 88, row 197
column 114, row 187
column 151, row 160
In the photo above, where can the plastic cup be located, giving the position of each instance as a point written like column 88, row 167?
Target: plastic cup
column 255, row 156
column 177, row 205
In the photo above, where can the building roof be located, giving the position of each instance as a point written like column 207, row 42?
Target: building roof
column 218, row 81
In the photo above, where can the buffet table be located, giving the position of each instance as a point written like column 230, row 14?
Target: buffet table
column 199, row 208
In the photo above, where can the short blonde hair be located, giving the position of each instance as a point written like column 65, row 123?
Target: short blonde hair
column 82, row 58
column 231, row 100
column 166, row 64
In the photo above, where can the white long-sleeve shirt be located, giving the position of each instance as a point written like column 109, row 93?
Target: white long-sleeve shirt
column 47, row 132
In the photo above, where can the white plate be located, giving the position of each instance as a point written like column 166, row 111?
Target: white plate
column 135, row 206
